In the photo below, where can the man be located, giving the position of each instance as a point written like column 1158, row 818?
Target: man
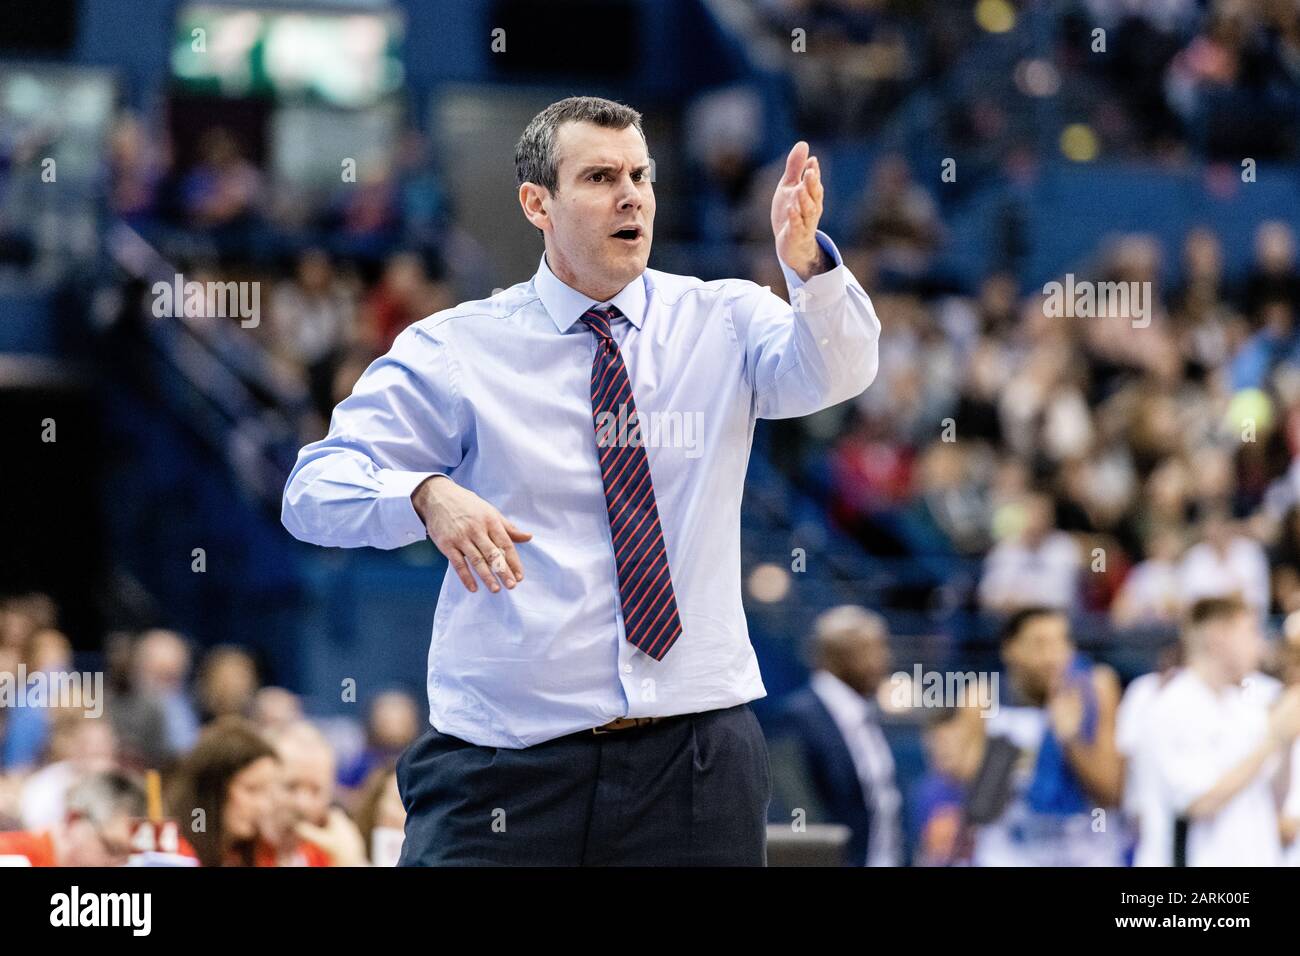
column 1218, row 741
column 95, row 829
column 1291, row 808
column 1039, row 565
column 969, row 785
column 599, row 417
column 156, row 716
column 306, row 817
column 1142, row 798
column 1062, row 718
column 80, row 746
column 835, row 727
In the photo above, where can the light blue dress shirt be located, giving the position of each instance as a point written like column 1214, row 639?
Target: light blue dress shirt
column 496, row 394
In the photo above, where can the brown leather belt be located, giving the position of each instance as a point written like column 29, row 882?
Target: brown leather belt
column 623, row 723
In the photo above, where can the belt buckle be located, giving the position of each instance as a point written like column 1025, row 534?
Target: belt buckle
column 635, row 722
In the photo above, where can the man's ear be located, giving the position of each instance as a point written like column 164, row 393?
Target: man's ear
column 531, row 199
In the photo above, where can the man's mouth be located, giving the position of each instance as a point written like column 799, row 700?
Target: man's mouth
column 628, row 234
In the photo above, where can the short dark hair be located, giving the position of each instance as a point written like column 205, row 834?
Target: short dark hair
column 938, row 716
column 1016, row 623
column 535, row 159
column 1211, row 609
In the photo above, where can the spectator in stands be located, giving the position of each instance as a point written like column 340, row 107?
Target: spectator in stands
column 156, row 717
column 835, row 725
column 80, row 746
column 1273, row 276
column 136, row 171
column 1225, row 562
column 723, row 137
column 1290, row 828
column 1276, row 343
column 381, row 818
column 1142, row 802
column 227, row 683
column 1034, row 564
column 27, row 731
column 274, row 709
column 309, row 814
column 1284, row 560
column 405, row 294
column 1152, row 591
column 393, row 724
column 899, row 220
column 314, row 319
column 95, row 829
column 954, row 746
column 1060, row 712
column 223, row 189
column 226, row 795
column 1216, row 743
column 1202, row 289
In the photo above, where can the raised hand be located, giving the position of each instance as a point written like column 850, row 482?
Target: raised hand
column 796, row 211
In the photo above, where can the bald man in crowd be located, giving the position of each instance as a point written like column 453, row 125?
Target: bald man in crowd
column 833, row 723
column 306, row 798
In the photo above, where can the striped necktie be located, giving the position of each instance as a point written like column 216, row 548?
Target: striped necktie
column 645, row 585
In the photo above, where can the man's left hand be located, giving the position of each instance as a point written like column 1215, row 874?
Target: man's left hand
column 796, row 211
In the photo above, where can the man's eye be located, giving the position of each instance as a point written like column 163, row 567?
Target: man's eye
column 594, row 175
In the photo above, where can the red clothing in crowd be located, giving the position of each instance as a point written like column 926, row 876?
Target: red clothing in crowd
column 38, row 847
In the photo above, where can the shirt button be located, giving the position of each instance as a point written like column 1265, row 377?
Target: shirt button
column 627, row 668
column 825, row 341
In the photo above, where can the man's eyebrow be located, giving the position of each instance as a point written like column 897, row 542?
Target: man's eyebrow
column 602, row 167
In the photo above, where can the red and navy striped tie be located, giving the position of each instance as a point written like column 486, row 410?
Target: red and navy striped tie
column 644, row 583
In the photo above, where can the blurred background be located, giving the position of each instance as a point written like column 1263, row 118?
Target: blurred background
column 1001, row 459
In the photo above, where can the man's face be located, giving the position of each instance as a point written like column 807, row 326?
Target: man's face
column 1239, row 644
column 603, row 178
column 1040, row 654
column 952, row 744
column 309, row 773
column 89, row 845
column 869, row 663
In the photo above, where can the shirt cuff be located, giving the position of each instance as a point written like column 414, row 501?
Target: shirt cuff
column 821, row 289
column 397, row 514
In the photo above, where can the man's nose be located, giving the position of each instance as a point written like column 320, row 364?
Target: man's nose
column 629, row 195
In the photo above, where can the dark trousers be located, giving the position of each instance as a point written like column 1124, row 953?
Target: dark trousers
column 691, row 790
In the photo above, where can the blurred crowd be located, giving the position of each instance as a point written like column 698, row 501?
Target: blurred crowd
column 246, row 776
column 1122, row 464
column 1224, row 75
column 1220, row 76
column 344, row 269
column 1046, row 761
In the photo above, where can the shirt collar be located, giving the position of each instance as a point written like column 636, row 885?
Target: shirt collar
column 840, row 698
column 566, row 305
